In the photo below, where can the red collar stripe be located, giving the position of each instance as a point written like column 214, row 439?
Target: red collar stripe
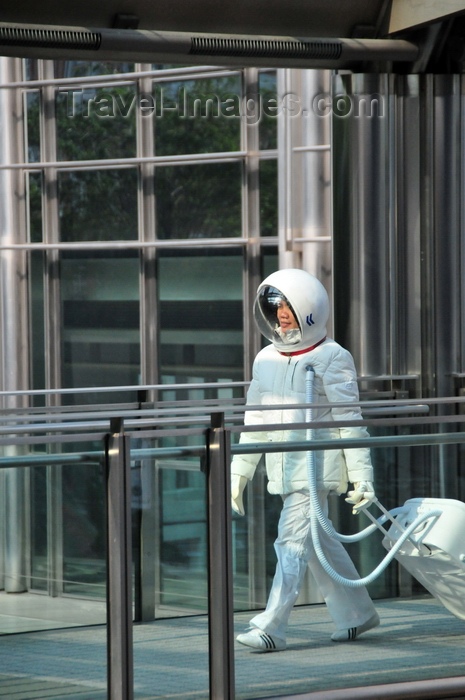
column 301, row 352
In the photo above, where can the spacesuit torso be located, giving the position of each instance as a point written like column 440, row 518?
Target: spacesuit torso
column 279, row 377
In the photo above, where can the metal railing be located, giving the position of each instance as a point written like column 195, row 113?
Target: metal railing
column 215, row 422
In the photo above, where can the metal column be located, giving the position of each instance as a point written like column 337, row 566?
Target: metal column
column 252, row 339
column 14, row 323
column 288, row 257
column 304, row 172
column 53, row 324
column 149, row 585
column 250, row 142
column 313, row 158
column 147, row 234
column 362, row 265
column 441, row 231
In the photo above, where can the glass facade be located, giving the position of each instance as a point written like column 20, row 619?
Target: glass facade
column 146, row 196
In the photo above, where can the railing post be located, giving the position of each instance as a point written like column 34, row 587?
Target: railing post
column 220, row 579
column 119, row 565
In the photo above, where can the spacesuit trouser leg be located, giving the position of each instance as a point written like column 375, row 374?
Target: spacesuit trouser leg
column 348, row 607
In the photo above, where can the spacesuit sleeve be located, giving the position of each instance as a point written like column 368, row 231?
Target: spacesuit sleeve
column 340, row 383
column 246, row 464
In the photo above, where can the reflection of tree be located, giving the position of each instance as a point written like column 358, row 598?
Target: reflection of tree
column 191, row 117
column 269, row 197
column 199, row 201
column 33, row 155
column 98, row 205
column 85, row 133
column 204, row 200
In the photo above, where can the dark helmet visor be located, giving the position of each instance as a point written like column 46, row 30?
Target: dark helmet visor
column 267, row 303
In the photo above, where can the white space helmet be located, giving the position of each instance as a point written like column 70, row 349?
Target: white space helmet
column 308, row 301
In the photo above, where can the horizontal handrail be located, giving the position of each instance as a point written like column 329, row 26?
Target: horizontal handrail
column 182, row 73
column 194, row 386
column 350, row 443
column 389, row 410
column 197, row 418
column 60, row 459
column 186, row 408
column 122, row 388
column 22, row 428
column 29, row 460
column 232, row 408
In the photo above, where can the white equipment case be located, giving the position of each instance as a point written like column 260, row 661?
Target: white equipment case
column 435, row 553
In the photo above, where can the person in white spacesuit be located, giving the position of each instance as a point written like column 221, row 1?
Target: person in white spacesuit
column 292, row 310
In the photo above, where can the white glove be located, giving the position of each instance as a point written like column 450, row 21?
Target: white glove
column 238, row 484
column 362, row 495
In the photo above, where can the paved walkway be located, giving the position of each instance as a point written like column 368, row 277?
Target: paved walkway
column 418, row 639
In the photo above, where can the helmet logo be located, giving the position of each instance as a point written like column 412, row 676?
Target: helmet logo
column 310, row 320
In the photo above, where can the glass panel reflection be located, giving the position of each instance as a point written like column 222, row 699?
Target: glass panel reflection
column 100, row 293
column 183, row 545
column 169, row 504
column 198, row 116
column 32, row 105
column 201, row 312
column 199, row 201
column 84, row 532
column 271, row 106
column 34, row 181
column 268, row 178
column 96, row 123
column 99, row 205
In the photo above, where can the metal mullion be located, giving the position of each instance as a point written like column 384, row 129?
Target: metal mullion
column 313, row 168
column 14, row 296
column 188, row 73
column 251, row 220
column 147, row 234
column 188, row 159
column 149, row 570
column 52, row 323
column 122, row 245
column 51, row 235
column 461, row 348
column 285, row 160
column 427, row 215
column 252, row 338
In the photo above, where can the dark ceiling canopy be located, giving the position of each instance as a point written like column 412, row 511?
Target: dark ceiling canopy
column 368, row 35
column 311, row 18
